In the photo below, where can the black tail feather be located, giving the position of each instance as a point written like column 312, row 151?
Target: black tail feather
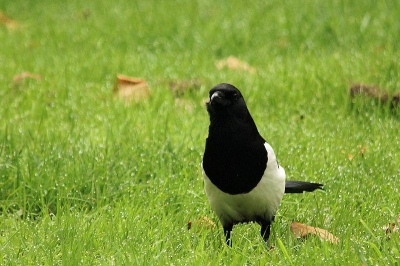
column 300, row 186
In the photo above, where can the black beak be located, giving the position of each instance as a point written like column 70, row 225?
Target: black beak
column 218, row 98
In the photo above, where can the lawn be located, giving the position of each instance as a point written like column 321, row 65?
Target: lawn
column 87, row 178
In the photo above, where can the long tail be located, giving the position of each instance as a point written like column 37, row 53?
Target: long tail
column 300, row 186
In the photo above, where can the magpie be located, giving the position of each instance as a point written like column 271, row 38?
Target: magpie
column 242, row 177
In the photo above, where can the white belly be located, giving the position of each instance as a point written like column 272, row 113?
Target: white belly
column 262, row 202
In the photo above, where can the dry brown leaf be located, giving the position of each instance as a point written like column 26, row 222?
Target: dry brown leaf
column 8, row 22
column 361, row 150
column 376, row 93
column 130, row 88
column 392, row 228
column 207, row 223
column 301, row 231
column 18, row 78
column 389, row 229
column 203, row 222
column 234, row 63
column 366, row 90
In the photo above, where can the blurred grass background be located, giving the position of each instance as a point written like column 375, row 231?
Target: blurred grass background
column 89, row 179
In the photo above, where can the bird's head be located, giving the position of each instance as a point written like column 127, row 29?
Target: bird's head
column 228, row 111
column 226, row 99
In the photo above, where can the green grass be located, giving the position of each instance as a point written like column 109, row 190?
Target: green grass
column 86, row 179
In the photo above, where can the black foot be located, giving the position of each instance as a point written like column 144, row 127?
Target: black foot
column 265, row 230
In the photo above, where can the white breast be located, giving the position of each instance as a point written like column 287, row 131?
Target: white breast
column 261, row 202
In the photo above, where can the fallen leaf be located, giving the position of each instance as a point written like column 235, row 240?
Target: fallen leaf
column 392, row 228
column 376, row 93
column 301, row 231
column 18, row 78
column 8, row 22
column 207, row 222
column 130, row 88
column 234, row 63
column 203, row 222
column 389, row 229
column 350, row 156
column 361, row 150
column 364, row 89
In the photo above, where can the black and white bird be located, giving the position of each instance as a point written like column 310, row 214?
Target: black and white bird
column 243, row 179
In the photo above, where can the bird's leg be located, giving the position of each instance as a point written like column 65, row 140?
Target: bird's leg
column 227, row 233
column 265, row 230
